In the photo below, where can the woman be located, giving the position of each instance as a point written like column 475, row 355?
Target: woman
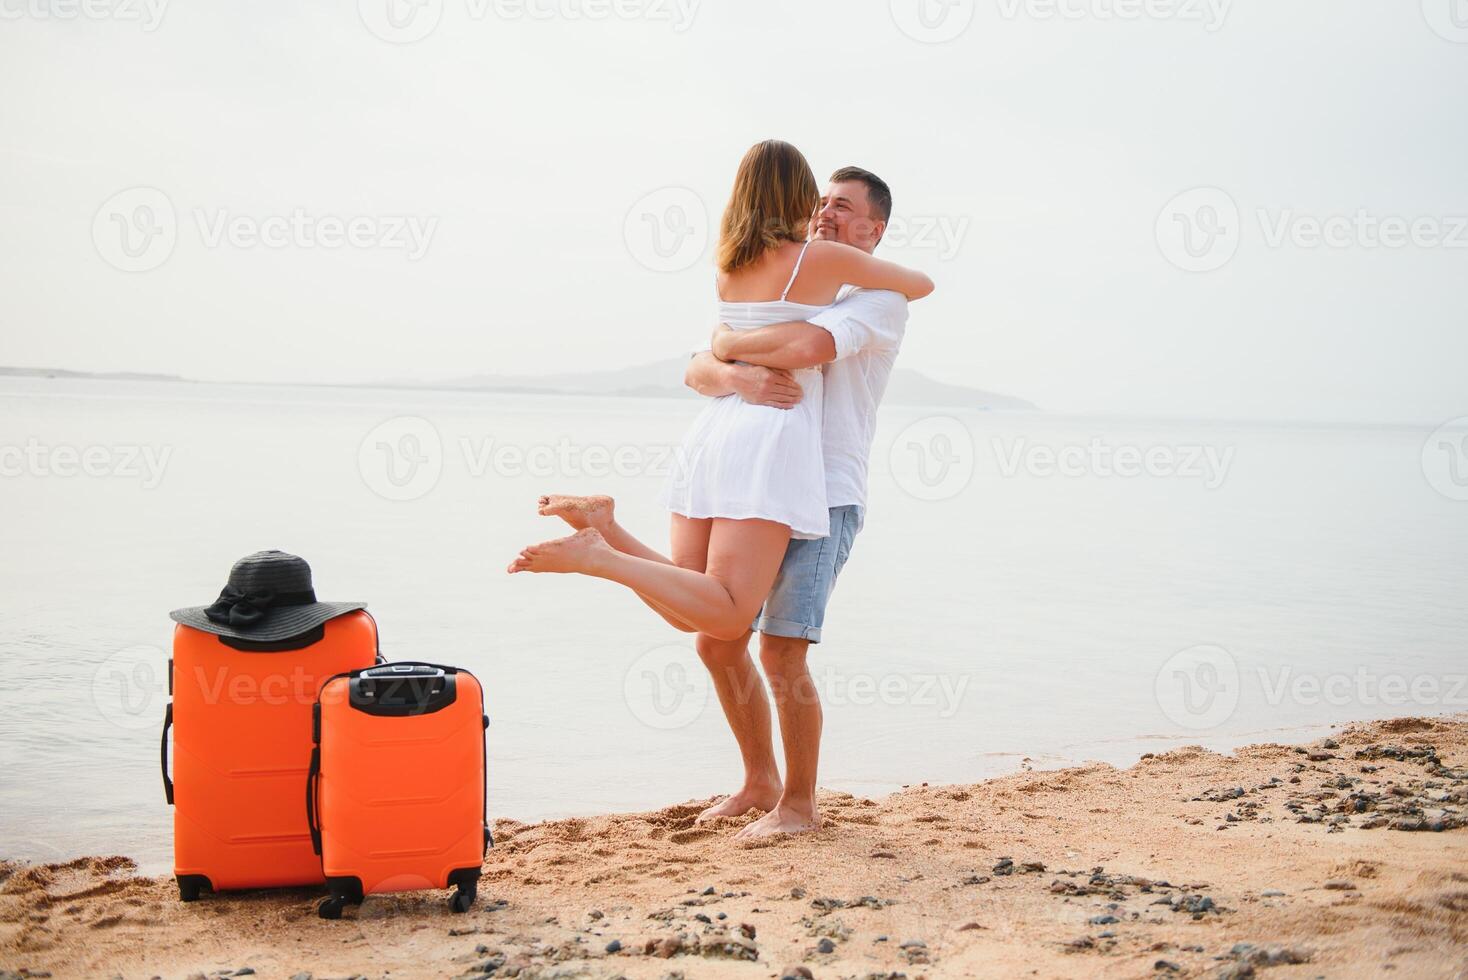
column 753, row 475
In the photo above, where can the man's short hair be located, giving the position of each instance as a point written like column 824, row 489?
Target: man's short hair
column 877, row 190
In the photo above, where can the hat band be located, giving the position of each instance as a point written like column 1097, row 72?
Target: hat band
column 244, row 609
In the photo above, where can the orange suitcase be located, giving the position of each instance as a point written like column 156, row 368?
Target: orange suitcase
column 241, row 717
column 396, row 792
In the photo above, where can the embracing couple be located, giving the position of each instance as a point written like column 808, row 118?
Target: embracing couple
column 773, row 487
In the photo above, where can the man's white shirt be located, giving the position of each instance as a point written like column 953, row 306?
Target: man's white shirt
column 867, row 326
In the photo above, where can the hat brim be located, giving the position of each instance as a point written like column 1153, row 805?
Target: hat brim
column 280, row 623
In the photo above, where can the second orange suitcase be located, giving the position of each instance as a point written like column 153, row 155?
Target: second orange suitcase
column 396, row 792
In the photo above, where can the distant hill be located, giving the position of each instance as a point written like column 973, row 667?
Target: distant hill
column 21, row 372
column 662, row 379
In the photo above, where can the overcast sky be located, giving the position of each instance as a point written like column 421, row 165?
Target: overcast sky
column 485, row 197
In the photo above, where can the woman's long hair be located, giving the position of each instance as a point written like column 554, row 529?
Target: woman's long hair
column 774, row 197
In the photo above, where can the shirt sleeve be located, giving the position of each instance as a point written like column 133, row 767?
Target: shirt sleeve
column 868, row 319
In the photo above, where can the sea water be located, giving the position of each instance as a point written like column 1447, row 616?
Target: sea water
column 1029, row 589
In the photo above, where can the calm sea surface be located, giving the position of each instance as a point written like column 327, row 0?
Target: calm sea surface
column 1028, row 587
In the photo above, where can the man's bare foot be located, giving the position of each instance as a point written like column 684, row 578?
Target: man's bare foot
column 748, row 798
column 581, row 552
column 781, row 820
column 579, row 512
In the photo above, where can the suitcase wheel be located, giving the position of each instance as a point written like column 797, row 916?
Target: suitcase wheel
column 190, row 886
column 344, row 891
column 464, row 897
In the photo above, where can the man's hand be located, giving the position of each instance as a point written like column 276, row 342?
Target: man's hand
column 766, row 386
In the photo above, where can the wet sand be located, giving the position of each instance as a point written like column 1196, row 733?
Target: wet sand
column 1346, row 857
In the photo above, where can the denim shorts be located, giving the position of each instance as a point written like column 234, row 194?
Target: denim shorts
column 796, row 605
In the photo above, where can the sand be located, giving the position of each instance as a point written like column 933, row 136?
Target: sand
column 1299, row 852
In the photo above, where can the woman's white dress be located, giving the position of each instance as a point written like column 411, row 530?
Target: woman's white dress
column 740, row 460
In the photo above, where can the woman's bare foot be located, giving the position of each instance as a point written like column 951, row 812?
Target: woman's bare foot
column 761, row 798
column 781, row 820
column 581, row 552
column 579, row 512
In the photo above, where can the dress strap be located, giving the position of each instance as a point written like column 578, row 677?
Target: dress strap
column 795, row 272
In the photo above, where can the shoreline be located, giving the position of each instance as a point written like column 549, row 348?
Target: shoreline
column 1137, row 746
column 1162, row 868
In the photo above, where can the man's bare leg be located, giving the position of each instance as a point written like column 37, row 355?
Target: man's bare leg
column 600, row 512
column 799, row 705
column 747, row 709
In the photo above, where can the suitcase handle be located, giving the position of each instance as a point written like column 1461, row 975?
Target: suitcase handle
column 163, row 753
column 402, row 689
column 313, row 775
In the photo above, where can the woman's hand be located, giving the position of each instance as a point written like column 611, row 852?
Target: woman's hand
column 719, row 343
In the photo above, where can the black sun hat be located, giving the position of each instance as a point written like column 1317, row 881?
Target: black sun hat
column 269, row 597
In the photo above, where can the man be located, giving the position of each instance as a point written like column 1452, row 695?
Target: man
column 856, row 341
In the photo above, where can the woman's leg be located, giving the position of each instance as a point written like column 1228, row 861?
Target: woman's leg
column 743, row 558
column 600, row 512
